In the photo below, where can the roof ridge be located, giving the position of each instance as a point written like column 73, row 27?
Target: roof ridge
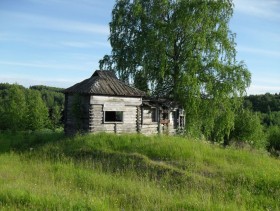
column 104, row 82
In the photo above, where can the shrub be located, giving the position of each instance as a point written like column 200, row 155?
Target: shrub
column 273, row 139
column 248, row 129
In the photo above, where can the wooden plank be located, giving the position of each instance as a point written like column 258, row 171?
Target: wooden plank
column 149, row 126
column 136, row 101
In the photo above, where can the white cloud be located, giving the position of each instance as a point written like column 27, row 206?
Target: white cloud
column 260, row 8
column 85, row 4
column 260, row 33
column 43, row 65
column 270, row 80
column 259, row 51
column 27, row 81
column 76, row 44
column 261, row 89
column 57, row 42
column 45, row 22
column 265, row 83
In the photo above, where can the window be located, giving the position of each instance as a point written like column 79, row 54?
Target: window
column 113, row 116
column 165, row 115
column 154, row 115
column 174, row 119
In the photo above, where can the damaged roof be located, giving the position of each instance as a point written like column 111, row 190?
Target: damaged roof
column 104, row 83
column 160, row 102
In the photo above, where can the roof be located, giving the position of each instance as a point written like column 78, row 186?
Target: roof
column 104, row 83
column 160, row 102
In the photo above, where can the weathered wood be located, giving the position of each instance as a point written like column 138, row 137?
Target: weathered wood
column 133, row 101
column 135, row 117
column 138, row 119
column 80, row 121
column 97, row 111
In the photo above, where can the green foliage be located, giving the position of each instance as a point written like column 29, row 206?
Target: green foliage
column 271, row 118
column 30, row 109
column 268, row 105
column 47, row 88
column 248, row 129
column 140, row 82
column 13, row 109
column 37, row 115
column 27, row 140
column 133, row 172
column 55, row 116
column 274, row 139
column 183, row 50
column 264, row 103
column 5, row 86
column 54, row 100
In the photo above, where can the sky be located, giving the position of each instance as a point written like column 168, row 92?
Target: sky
column 59, row 42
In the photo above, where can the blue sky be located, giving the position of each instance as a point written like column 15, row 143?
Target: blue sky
column 59, row 42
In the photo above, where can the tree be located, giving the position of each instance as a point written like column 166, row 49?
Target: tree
column 13, row 109
column 185, row 51
column 248, row 129
column 274, row 140
column 55, row 115
column 37, row 117
column 30, row 109
column 54, row 100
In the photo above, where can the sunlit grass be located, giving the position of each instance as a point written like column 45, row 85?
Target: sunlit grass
column 133, row 172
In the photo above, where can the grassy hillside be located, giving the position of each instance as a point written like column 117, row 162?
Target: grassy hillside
column 130, row 172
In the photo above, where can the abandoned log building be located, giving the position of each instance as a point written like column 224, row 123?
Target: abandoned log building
column 105, row 103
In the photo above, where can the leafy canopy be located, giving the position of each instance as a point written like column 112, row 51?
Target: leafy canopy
column 184, row 50
column 29, row 109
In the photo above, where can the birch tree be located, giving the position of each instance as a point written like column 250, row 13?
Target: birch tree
column 185, row 51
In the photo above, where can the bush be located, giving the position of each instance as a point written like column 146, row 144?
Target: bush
column 273, row 139
column 248, row 130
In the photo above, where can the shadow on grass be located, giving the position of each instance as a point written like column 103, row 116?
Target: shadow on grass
column 28, row 140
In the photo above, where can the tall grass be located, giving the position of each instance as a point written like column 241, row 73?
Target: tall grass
column 133, row 172
column 27, row 140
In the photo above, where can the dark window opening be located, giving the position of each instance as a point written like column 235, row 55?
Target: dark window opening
column 154, row 115
column 113, row 116
column 174, row 118
column 165, row 115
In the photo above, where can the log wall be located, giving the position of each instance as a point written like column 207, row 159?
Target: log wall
column 148, row 127
column 129, row 106
column 76, row 119
column 136, row 118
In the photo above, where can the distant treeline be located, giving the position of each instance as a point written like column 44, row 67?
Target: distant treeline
column 268, row 107
column 263, row 103
column 48, row 88
column 31, row 108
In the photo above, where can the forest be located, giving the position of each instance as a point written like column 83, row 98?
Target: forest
column 30, row 109
column 268, row 107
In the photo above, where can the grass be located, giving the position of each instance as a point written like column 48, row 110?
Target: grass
column 46, row 170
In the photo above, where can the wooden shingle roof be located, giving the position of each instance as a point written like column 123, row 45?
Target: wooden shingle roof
column 104, row 83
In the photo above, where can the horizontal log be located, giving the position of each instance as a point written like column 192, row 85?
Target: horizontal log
column 149, row 126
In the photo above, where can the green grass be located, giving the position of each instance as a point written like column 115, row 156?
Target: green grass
column 46, row 170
